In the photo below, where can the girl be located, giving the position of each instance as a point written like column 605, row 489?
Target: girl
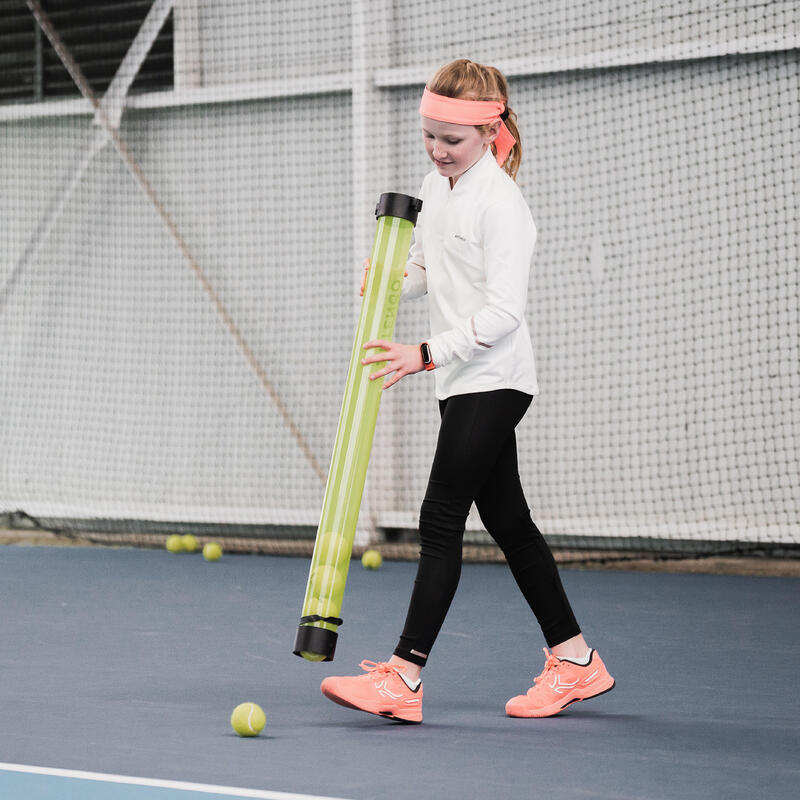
column 471, row 255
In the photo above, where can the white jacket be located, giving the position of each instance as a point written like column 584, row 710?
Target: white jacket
column 472, row 253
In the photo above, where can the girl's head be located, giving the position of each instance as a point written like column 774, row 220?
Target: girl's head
column 450, row 145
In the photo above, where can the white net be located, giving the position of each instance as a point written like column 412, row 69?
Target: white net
column 659, row 160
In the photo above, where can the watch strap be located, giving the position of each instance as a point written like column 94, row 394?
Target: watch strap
column 427, row 359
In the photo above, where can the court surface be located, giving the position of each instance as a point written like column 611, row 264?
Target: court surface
column 128, row 662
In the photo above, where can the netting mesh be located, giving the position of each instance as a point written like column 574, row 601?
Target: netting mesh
column 659, row 160
column 608, row 31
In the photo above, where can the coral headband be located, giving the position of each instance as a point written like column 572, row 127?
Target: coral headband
column 469, row 112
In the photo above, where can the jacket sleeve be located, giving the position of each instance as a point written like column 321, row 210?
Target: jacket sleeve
column 509, row 236
column 415, row 283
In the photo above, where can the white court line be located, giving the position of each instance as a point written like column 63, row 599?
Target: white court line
column 161, row 784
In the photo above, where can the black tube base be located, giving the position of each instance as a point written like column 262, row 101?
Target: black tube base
column 320, row 641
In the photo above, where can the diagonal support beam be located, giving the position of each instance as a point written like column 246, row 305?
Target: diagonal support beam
column 102, row 118
column 113, row 102
column 51, row 216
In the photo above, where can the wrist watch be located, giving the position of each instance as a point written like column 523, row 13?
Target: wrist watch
column 427, row 360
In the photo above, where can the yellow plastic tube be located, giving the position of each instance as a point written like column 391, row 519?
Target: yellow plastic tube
column 322, row 606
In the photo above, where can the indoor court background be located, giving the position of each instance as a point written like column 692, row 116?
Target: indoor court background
column 187, row 196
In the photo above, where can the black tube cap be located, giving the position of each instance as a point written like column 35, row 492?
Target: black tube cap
column 315, row 640
column 392, row 204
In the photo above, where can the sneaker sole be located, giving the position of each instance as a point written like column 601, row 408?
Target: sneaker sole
column 552, row 710
column 387, row 714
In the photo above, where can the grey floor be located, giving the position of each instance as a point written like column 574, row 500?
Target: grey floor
column 130, row 661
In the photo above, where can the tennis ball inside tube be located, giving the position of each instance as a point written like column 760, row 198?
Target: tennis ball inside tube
column 309, row 656
column 327, row 585
column 318, row 629
column 328, row 581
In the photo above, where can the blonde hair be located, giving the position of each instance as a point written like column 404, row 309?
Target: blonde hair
column 466, row 80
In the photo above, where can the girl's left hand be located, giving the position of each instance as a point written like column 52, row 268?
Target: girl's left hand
column 401, row 359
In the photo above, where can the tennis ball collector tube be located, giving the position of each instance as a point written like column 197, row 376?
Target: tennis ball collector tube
column 322, row 606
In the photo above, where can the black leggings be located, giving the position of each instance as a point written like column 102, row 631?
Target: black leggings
column 476, row 461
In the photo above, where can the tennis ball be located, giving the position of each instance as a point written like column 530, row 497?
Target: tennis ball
column 212, row 551
column 328, row 582
column 311, row 656
column 174, row 544
column 327, row 546
column 248, row 719
column 189, row 543
column 371, row 559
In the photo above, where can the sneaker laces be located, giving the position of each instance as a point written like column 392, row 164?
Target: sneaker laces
column 551, row 663
column 380, row 667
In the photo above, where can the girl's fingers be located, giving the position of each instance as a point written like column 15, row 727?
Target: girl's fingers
column 393, row 355
column 398, row 373
column 366, row 266
column 378, row 343
column 392, row 381
column 376, row 357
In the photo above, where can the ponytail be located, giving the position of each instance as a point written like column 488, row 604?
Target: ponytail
column 514, row 158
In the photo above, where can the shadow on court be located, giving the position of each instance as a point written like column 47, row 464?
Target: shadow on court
column 130, row 661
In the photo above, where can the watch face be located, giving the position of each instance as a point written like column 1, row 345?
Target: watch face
column 426, row 353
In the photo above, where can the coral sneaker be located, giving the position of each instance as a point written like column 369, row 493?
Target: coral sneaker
column 381, row 691
column 561, row 684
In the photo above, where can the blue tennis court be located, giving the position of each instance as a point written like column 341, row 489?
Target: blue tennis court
column 128, row 662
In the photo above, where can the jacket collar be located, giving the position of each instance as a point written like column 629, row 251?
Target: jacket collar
column 485, row 163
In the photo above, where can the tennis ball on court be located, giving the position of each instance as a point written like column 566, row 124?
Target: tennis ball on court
column 189, row 543
column 328, row 582
column 174, row 544
column 371, row 559
column 212, row 551
column 248, row 719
